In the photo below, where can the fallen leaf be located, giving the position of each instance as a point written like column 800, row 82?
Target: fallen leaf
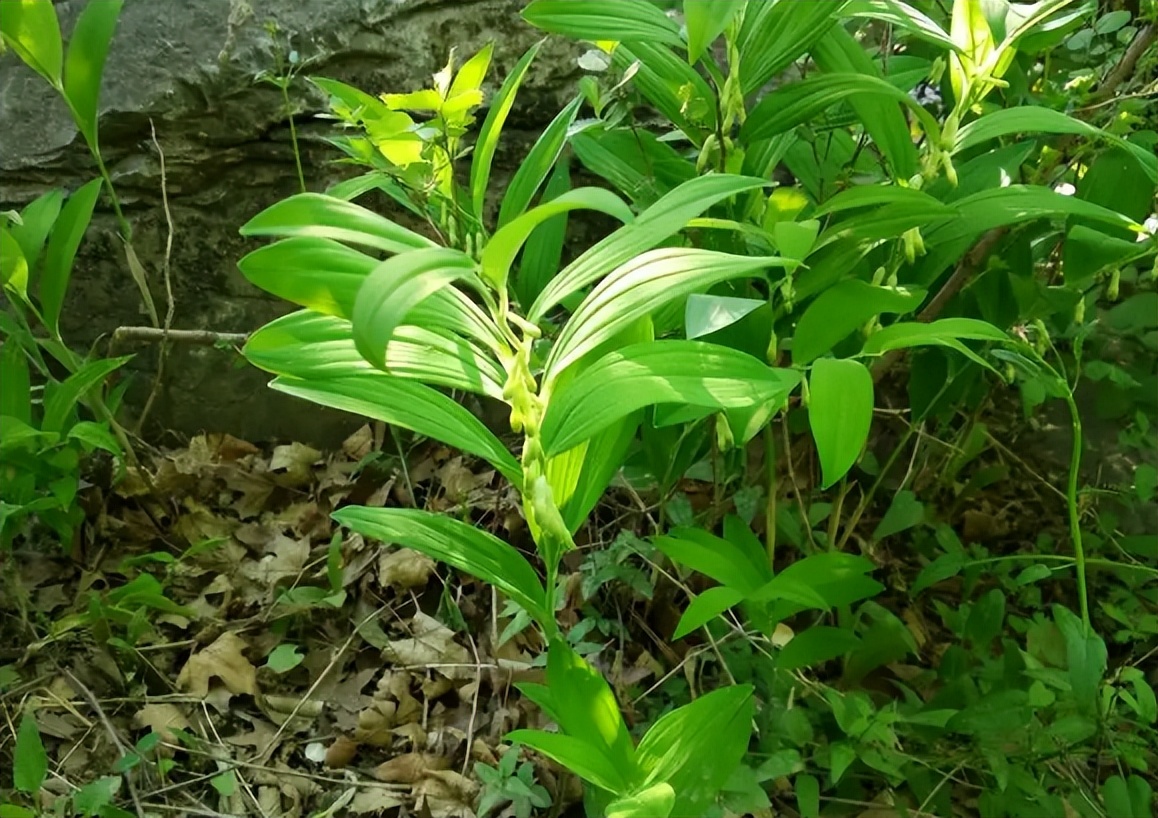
column 359, row 444
column 296, row 460
column 374, row 800
column 223, row 660
column 432, row 645
column 403, row 569
column 375, row 724
column 162, row 719
column 341, row 752
column 447, row 794
column 410, row 768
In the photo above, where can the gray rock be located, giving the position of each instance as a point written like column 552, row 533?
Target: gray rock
column 187, row 68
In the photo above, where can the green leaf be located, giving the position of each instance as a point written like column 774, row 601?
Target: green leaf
column 579, row 476
column 96, row 435
column 30, row 761
column 543, row 252
column 840, row 413
column 409, row 405
column 903, row 16
column 1127, row 800
column 666, row 217
column 597, row 20
column 824, row 580
column 843, row 308
column 66, row 236
column 492, row 128
column 499, row 254
column 698, row 746
column 96, row 796
column 13, row 265
column 63, row 399
column 658, row 372
column 675, row 88
column 318, row 273
column 945, row 332
column 654, row 802
column 1085, row 658
column 797, row 102
column 640, row 287
column 946, row 566
column 1035, row 119
column 705, row 21
column 225, row 783
column 537, row 164
column 723, row 560
column 15, row 811
column 705, row 314
column 885, row 222
column 970, row 31
column 37, row 219
column 775, row 35
column 818, row 644
column 87, row 48
column 459, row 545
column 839, row 52
column 705, row 607
column 318, row 215
column 807, row 796
column 875, row 196
column 31, row 29
column 395, row 287
column 985, row 619
column 16, row 396
column 313, row 346
column 795, row 240
column 284, row 658
column 581, row 758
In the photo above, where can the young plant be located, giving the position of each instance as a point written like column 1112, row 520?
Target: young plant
column 377, row 336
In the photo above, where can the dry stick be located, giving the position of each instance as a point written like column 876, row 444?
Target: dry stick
column 124, row 749
column 166, row 271
column 197, row 337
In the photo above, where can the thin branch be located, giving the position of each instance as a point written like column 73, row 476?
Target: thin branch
column 1141, row 44
column 197, row 337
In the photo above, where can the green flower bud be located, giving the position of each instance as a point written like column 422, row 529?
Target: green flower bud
column 1113, row 286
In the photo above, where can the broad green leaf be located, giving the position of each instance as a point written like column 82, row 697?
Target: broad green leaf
column 1085, row 657
column 1087, row 251
column 875, row 196
column 410, row 405
column 825, row 580
column 284, row 658
column 580, row 757
column 841, row 309
column 656, row 801
column 499, row 254
column 985, row 619
column 775, row 35
column 397, row 286
column 16, row 396
column 1036, row 119
column 839, row 52
column 458, row 544
column 579, row 476
column 13, row 265
column 30, row 28
column 663, row 219
column 640, row 287
column 37, row 219
column 492, row 128
column 599, row 20
column 96, row 435
column 63, row 242
column 946, row 332
column 706, row 606
column 797, row 102
column 903, row 16
column 586, row 707
column 543, row 252
column 840, row 413
column 705, row 21
column 698, row 746
column 321, row 274
column 604, row 153
column 313, row 346
column 315, row 214
column 904, row 512
column 807, row 796
column 727, row 562
column 658, row 372
column 705, row 314
column 537, row 164
column 1131, row 797
column 30, row 761
column 818, row 644
column 472, row 73
column 87, row 48
column 888, row 221
column 68, row 393
column 975, row 43
column 675, row 88
column 795, row 240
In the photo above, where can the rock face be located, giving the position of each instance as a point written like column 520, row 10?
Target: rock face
column 187, row 68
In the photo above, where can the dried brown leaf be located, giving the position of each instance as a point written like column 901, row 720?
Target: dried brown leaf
column 223, row 660
column 410, row 768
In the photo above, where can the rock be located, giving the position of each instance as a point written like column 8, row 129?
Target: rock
column 188, row 70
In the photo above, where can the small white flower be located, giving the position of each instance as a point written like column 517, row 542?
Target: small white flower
column 1149, row 228
column 594, row 60
column 1065, row 189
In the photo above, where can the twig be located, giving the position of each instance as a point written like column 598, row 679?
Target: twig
column 123, row 748
column 200, row 337
column 170, row 305
column 1125, row 67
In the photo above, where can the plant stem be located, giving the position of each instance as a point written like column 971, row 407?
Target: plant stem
column 1074, row 516
column 293, row 133
column 770, row 504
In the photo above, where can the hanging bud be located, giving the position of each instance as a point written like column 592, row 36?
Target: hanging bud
column 879, row 275
column 773, row 350
column 913, row 243
column 1080, row 311
column 1010, row 373
column 724, row 439
column 1040, row 336
column 1113, row 286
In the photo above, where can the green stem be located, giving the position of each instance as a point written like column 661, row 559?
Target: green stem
column 770, row 504
column 293, row 133
column 1074, row 516
column 1091, row 562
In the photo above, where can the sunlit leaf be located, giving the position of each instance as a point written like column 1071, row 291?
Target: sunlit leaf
column 840, row 413
column 88, row 47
